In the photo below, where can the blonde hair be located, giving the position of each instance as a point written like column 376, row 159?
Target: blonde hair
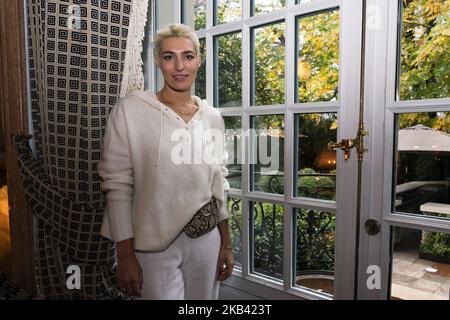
column 175, row 30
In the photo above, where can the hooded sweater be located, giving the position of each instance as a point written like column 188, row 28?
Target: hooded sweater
column 156, row 172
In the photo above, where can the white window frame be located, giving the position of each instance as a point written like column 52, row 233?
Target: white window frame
column 350, row 12
column 381, row 106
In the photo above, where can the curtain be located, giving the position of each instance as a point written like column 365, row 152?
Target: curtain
column 83, row 56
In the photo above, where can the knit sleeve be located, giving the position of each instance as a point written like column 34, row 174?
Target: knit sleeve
column 115, row 169
column 223, row 186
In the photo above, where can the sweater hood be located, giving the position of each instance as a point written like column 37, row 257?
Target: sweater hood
column 149, row 98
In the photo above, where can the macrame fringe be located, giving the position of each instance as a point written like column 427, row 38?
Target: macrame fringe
column 133, row 76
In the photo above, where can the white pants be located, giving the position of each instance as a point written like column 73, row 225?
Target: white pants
column 185, row 270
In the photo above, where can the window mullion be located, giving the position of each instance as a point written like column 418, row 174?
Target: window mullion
column 290, row 58
column 209, row 13
column 177, row 11
column 210, row 61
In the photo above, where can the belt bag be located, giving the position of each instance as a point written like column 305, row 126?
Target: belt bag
column 204, row 220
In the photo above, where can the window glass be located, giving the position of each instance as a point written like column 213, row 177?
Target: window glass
column 267, row 169
column 268, row 65
column 194, row 13
column 228, row 88
column 318, row 57
column 316, row 165
column 314, row 249
column 228, row 11
column 233, row 139
column 420, row 265
column 200, row 81
column 267, row 239
column 425, row 46
column 423, row 164
column 265, row 6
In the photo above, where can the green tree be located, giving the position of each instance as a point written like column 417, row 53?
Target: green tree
column 425, row 47
column 318, row 57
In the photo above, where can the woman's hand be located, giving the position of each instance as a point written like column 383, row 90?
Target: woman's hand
column 129, row 272
column 225, row 263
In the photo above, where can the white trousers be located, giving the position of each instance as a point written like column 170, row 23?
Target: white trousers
column 185, row 270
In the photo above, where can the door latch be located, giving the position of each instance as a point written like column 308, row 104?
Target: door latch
column 347, row 144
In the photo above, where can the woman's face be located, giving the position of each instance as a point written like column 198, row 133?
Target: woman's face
column 178, row 63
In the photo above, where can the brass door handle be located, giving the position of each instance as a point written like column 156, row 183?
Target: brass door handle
column 345, row 145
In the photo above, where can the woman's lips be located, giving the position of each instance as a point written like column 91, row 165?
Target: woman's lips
column 180, row 77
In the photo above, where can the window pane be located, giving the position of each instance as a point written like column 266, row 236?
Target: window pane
column 314, row 249
column 228, row 61
column 268, row 65
column 267, row 169
column 420, row 265
column 264, row 6
column 318, row 57
column 424, row 58
column 235, row 223
column 200, row 82
column 233, row 133
column 423, row 164
column 228, row 10
column 164, row 13
column 194, row 13
column 316, row 165
column 267, row 239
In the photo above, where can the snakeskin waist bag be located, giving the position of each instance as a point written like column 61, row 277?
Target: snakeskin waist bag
column 204, row 220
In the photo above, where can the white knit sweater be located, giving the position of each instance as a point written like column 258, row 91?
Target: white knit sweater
column 149, row 196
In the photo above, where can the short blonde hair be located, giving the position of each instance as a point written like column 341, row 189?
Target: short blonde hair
column 175, row 30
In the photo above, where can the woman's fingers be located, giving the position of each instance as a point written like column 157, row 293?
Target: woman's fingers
column 224, row 270
column 136, row 290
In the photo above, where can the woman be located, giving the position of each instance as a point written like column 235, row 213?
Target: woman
column 153, row 190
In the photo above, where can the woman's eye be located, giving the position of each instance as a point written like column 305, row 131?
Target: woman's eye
column 190, row 57
column 167, row 57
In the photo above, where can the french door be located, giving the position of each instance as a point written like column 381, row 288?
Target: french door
column 308, row 219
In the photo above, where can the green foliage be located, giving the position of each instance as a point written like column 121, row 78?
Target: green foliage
column 436, row 244
column 269, row 64
column 315, row 186
column 318, row 57
column 265, row 7
column 315, row 241
column 268, row 238
column 200, row 14
column 200, row 82
column 425, row 49
column 229, row 70
column 436, row 120
column 235, row 224
column 271, row 183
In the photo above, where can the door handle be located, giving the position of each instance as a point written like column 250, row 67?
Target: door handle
column 372, row 227
column 347, row 144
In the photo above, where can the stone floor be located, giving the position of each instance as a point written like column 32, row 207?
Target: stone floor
column 417, row 279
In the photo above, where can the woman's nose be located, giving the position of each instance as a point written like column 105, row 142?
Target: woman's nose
column 179, row 64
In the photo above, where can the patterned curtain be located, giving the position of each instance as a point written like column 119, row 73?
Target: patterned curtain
column 84, row 55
